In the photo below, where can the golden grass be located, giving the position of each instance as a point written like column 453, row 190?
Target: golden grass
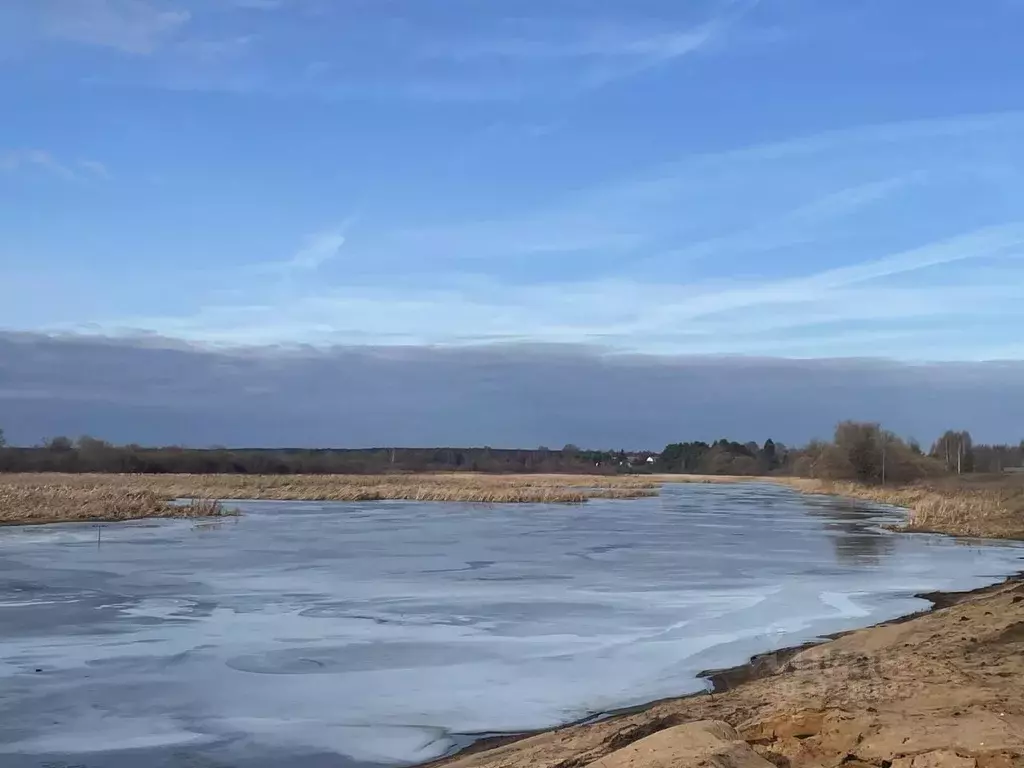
column 959, row 507
column 31, row 498
column 706, row 479
column 981, row 508
column 412, row 487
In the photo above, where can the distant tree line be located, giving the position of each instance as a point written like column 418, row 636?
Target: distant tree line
column 87, row 454
column 867, row 453
column 858, row 451
column 997, row 458
column 723, row 457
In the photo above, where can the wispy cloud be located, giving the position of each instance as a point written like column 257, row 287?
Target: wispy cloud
column 138, row 27
column 644, row 54
column 46, row 162
column 96, row 168
column 911, row 321
column 835, row 309
column 597, row 43
column 317, row 250
column 631, row 217
column 423, row 56
column 606, row 52
column 39, row 159
column 797, row 247
column 855, row 309
column 839, row 294
column 801, row 225
column 877, row 134
column 258, row 5
column 778, row 194
column 216, row 50
column 979, row 244
column 600, row 53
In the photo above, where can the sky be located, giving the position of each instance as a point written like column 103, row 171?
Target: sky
column 770, row 178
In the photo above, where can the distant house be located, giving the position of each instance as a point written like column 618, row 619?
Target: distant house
column 638, row 459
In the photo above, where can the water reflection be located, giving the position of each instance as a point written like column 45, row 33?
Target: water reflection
column 853, row 529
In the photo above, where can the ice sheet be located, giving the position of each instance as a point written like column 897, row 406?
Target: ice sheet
column 383, row 633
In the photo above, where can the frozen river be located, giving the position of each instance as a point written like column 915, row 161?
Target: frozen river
column 337, row 635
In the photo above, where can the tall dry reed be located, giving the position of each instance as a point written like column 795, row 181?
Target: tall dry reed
column 956, row 507
column 38, row 499
column 51, row 497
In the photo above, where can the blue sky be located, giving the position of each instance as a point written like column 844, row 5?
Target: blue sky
column 778, row 178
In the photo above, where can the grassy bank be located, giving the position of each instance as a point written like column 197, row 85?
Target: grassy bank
column 983, row 506
column 36, row 498
column 26, row 500
column 986, row 506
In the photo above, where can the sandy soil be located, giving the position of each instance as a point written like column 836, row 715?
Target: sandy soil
column 941, row 690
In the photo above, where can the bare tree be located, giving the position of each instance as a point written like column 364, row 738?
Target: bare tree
column 955, row 450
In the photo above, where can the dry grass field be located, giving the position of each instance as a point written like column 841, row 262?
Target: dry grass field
column 39, row 498
column 32, row 499
column 979, row 506
column 990, row 506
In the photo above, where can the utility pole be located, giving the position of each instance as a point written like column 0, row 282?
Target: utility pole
column 883, row 459
column 881, row 435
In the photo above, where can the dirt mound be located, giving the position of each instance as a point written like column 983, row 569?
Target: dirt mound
column 705, row 743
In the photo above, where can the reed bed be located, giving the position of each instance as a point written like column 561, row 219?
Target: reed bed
column 27, row 501
column 28, row 498
column 960, row 508
column 706, row 479
column 992, row 509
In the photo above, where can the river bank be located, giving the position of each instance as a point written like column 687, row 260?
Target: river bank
column 983, row 506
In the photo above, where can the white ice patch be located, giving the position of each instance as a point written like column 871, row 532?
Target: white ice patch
column 844, row 603
column 91, row 735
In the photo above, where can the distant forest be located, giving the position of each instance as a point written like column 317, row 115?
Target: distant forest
column 858, row 451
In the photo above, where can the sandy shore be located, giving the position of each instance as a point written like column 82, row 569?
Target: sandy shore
column 944, row 688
